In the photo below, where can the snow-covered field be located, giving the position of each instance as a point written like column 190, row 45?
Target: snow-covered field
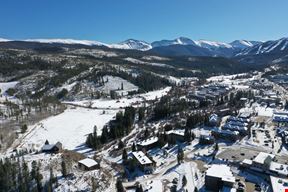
column 232, row 80
column 70, row 128
column 114, row 83
column 137, row 61
column 123, row 102
column 73, row 125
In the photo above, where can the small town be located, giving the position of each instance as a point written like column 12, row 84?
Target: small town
column 143, row 96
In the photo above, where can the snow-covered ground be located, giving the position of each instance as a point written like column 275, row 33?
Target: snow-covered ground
column 123, row 102
column 176, row 173
column 70, row 128
column 73, row 125
column 4, row 86
column 137, row 61
column 237, row 81
column 115, row 83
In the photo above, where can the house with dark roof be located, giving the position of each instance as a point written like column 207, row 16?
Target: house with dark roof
column 52, row 148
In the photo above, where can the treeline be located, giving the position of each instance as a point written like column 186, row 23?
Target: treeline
column 15, row 175
column 117, row 128
column 167, row 106
column 13, row 64
column 234, row 99
column 144, row 80
column 197, row 119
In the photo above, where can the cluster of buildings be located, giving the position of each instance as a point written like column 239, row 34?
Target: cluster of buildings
column 173, row 136
column 233, row 129
column 265, row 163
column 281, row 79
column 144, row 162
column 283, row 133
column 260, row 84
column 268, row 98
column 280, row 117
column 237, row 124
column 211, row 92
column 86, row 164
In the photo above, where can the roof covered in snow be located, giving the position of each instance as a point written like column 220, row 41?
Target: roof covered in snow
column 88, row 162
column 176, row 132
column 261, row 157
column 141, row 157
column 221, row 171
column 279, row 168
column 213, row 117
column 148, row 141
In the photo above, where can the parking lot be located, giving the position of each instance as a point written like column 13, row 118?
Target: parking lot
column 238, row 154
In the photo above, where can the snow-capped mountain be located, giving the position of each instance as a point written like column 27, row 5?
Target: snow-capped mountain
column 212, row 44
column 243, row 44
column 178, row 41
column 267, row 47
column 237, row 44
column 132, row 44
column 4, row 40
column 67, row 41
column 269, row 52
column 186, row 46
column 181, row 46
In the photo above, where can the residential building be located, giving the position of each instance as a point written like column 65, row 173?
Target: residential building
column 52, row 148
column 143, row 161
column 219, row 176
column 88, row 164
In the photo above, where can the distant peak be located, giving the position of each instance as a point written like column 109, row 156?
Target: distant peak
column 66, row 41
column 4, row 40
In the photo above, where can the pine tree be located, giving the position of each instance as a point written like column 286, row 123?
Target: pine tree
column 187, row 135
column 51, row 180
column 139, row 188
column 94, row 186
column 124, row 155
column 133, row 147
column 141, row 113
column 26, row 175
column 24, row 128
column 216, row 147
column 120, row 144
column 119, row 186
column 146, row 133
column 184, row 181
column 105, row 135
column 180, row 155
column 39, row 177
column 33, row 169
column 63, row 166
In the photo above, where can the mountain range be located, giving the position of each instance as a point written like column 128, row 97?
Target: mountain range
column 243, row 50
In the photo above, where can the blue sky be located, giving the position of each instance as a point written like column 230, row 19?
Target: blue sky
column 116, row 20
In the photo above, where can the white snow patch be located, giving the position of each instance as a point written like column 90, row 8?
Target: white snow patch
column 70, row 128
